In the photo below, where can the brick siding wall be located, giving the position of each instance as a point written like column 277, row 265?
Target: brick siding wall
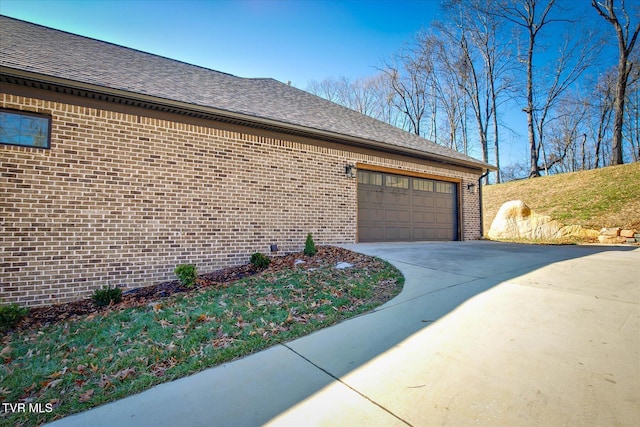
column 121, row 199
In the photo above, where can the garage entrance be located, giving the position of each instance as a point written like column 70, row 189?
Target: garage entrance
column 402, row 208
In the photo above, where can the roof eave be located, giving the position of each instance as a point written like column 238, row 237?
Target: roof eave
column 31, row 78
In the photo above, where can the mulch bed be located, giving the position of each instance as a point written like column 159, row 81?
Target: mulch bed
column 327, row 255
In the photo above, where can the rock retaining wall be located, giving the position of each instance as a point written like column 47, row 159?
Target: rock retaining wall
column 515, row 220
column 618, row 235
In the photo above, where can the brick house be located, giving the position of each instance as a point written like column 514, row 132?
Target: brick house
column 117, row 165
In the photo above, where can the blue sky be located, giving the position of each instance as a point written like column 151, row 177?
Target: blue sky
column 289, row 40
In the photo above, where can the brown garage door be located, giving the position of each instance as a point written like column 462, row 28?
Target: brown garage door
column 402, row 208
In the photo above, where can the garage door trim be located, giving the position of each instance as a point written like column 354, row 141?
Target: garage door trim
column 414, row 174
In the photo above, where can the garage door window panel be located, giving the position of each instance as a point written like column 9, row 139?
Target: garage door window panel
column 422, row 184
column 396, row 181
column 369, row 178
column 444, row 187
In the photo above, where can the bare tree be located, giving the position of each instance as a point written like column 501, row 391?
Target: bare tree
column 361, row 95
column 485, row 60
column 532, row 16
column 567, row 139
column 383, row 95
column 328, row 88
column 446, row 89
column 576, row 54
column 498, row 62
column 372, row 96
column 631, row 129
column 546, row 84
column 448, row 84
column 602, row 110
column 514, row 172
column 410, row 74
column 626, row 40
column 462, row 66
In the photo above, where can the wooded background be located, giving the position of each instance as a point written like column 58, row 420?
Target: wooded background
column 571, row 68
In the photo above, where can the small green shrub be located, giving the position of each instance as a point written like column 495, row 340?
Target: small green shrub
column 187, row 274
column 105, row 296
column 309, row 246
column 10, row 315
column 259, row 260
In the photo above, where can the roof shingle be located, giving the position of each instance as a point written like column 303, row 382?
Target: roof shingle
column 48, row 52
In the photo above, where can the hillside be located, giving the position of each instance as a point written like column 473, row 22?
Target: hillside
column 607, row 197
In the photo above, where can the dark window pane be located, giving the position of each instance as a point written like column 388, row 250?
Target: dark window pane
column 20, row 128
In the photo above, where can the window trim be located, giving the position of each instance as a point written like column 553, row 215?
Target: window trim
column 46, row 117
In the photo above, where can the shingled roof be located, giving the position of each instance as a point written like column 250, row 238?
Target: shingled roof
column 44, row 57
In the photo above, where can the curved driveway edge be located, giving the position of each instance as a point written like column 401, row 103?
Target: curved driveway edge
column 483, row 333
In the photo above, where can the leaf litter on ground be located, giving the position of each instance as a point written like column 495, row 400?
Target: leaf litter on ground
column 78, row 356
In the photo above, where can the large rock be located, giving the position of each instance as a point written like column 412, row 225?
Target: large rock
column 628, row 233
column 611, row 239
column 515, row 220
column 577, row 231
column 613, row 231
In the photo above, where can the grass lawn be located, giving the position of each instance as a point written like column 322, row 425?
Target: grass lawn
column 606, row 197
column 73, row 365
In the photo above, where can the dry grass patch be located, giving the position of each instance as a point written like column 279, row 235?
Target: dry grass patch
column 607, row 197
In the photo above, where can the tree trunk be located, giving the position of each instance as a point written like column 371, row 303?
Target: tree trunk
column 618, row 106
column 495, row 134
column 626, row 41
column 534, row 170
column 584, row 152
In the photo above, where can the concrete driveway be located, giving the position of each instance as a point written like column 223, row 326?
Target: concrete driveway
column 483, row 333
